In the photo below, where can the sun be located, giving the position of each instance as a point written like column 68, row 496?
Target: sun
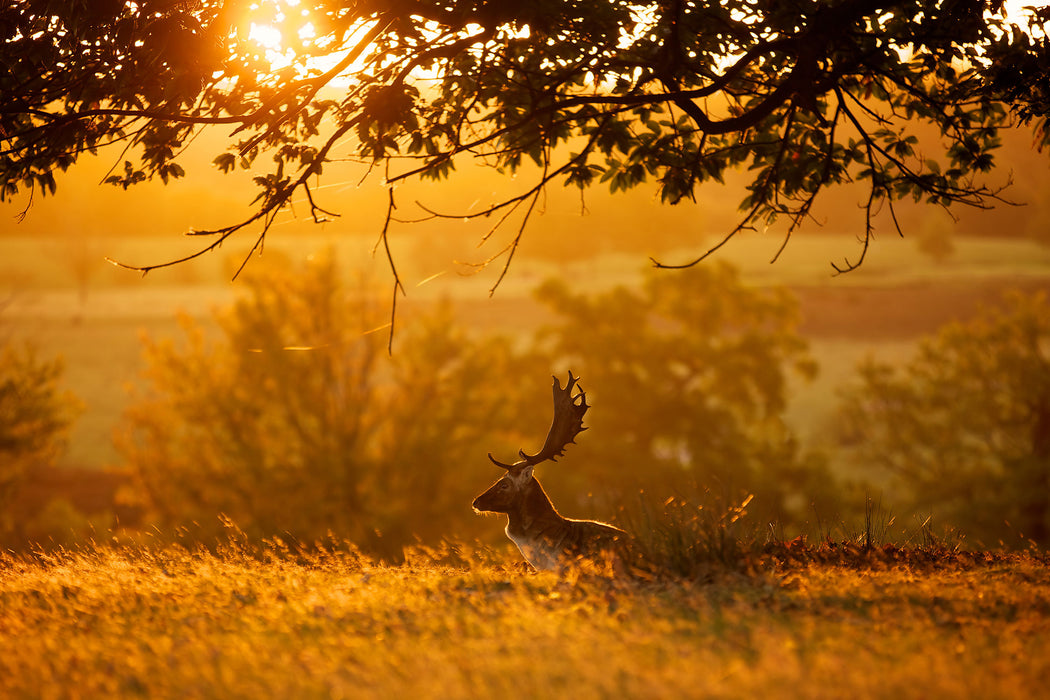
column 283, row 29
column 266, row 35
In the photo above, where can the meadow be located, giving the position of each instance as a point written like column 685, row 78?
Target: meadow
column 169, row 622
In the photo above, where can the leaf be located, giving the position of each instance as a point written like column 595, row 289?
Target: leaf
column 225, row 162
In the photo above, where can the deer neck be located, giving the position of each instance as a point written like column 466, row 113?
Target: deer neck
column 533, row 509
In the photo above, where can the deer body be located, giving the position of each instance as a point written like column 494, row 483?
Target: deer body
column 545, row 538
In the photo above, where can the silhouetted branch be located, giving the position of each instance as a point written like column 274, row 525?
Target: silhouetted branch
column 385, row 241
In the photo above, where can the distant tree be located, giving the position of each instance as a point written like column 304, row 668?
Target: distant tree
column 965, row 426
column 804, row 94
column 35, row 416
column 296, row 423
column 689, row 387
column 934, row 239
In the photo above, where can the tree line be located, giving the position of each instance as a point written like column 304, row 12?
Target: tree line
column 294, row 422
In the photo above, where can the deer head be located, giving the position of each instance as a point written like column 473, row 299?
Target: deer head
column 508, row 492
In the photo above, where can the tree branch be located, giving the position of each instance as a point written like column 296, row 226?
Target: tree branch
column 385, row 241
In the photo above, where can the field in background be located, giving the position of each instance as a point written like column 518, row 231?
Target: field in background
column 69, row 301
column 172, row 624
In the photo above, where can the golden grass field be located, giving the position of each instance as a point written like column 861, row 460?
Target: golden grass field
column 170, row 623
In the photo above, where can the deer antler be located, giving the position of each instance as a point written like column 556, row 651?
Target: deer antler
column 566, row 425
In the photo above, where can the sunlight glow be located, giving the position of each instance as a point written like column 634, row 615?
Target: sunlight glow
column 271, row 39
column 281, row 30
column 266, row 35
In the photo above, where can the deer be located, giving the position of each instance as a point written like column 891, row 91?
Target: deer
column 545, row 538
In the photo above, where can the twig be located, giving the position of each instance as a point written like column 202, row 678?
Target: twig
column 398, row 287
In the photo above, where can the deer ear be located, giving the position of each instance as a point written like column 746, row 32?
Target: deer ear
column 526, row 473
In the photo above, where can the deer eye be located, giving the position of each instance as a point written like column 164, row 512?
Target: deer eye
column 504, row 485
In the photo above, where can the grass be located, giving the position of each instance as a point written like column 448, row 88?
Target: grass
column 171, row 623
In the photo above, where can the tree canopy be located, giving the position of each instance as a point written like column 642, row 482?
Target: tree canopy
column 694, row 396
column 803, row 94
column 295, row 424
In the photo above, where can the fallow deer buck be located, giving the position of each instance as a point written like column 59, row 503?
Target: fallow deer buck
column 545, row 538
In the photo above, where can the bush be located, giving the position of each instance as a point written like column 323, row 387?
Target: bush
column 35, row 416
